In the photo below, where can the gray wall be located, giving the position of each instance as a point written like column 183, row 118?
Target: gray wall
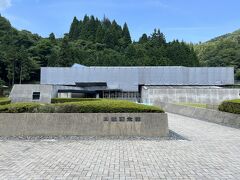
column 24, row 92
column 86, row 124
column 128, row 78
column 174, row 94
column 214, row 116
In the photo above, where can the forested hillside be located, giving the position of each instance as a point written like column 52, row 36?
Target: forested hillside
column 89, row 42
column 221, row 51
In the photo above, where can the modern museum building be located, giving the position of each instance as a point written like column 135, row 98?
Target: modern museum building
column 140, row 84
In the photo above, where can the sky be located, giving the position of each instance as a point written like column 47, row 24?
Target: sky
column 189, row 20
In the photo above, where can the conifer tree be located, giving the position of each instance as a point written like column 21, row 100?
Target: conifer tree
column 74, row 29
column 85, row 30
column 106, row 23
column 52, row 38
column 158, row 38
column 109, row 39
column 126, row 35
column 65, row 55
column 92, row 28
column 100, row 34
column 143, row 39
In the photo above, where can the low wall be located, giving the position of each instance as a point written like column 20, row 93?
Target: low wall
column 84, row 124
column 24, row 92
column 193, row 94
column 215, row 116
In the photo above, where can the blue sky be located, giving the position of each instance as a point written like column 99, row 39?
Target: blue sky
column 188, row 20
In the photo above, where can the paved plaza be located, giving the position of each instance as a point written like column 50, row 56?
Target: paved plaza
column 204, row 151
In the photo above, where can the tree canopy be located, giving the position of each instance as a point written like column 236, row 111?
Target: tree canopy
column 91, row 42
column 221, row 51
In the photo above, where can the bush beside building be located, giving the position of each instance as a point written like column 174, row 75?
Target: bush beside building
column 231, row 106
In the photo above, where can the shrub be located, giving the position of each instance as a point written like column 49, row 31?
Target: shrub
column 100, row 106
column 4, row 101
column 46, row 108
column 105, row 106
column 231, row 106
column 19, row 108
column 64, row 100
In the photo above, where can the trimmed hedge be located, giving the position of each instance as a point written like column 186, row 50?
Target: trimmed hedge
column 64, row 100
column 4, row 101
column 106, row 106
column 19, row 108
column 101, row 106
column 231, row 106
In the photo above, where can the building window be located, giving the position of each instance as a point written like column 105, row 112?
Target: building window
column 36, row 96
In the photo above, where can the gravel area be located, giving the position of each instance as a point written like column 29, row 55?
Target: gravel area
column 172, row 136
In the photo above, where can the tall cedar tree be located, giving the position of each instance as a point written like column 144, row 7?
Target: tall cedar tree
column 74, row 29
column 143, row 39
column 126, row 35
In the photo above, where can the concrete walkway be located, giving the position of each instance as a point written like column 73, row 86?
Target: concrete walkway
column 211, row 151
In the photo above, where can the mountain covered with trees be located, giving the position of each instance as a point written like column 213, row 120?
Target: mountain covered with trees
column 221, row 51
column 91, row 42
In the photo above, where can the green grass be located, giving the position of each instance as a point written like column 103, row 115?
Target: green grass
column 96, row 106
column 197, row 105
column 233, row 101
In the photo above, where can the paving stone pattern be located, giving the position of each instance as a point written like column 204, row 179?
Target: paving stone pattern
column 209, row 151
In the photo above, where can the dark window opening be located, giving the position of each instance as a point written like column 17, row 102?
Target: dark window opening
column 36, row 96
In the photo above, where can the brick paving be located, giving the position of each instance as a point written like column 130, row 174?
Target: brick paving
column 210, row 151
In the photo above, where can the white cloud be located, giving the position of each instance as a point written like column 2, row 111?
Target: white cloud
column 4, row 4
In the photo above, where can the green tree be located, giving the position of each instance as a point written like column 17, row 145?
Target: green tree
column 126, row 35
column 143, row 39
column 52, row 38
column 157, row 38
column 65, row 58
column 100, row 34
column 237, row 75
column 41, row 51
column 181, row 54
column 4, row 25
column 74, row 29
column 109, row 39
column 26, row 66
column 54, row 57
